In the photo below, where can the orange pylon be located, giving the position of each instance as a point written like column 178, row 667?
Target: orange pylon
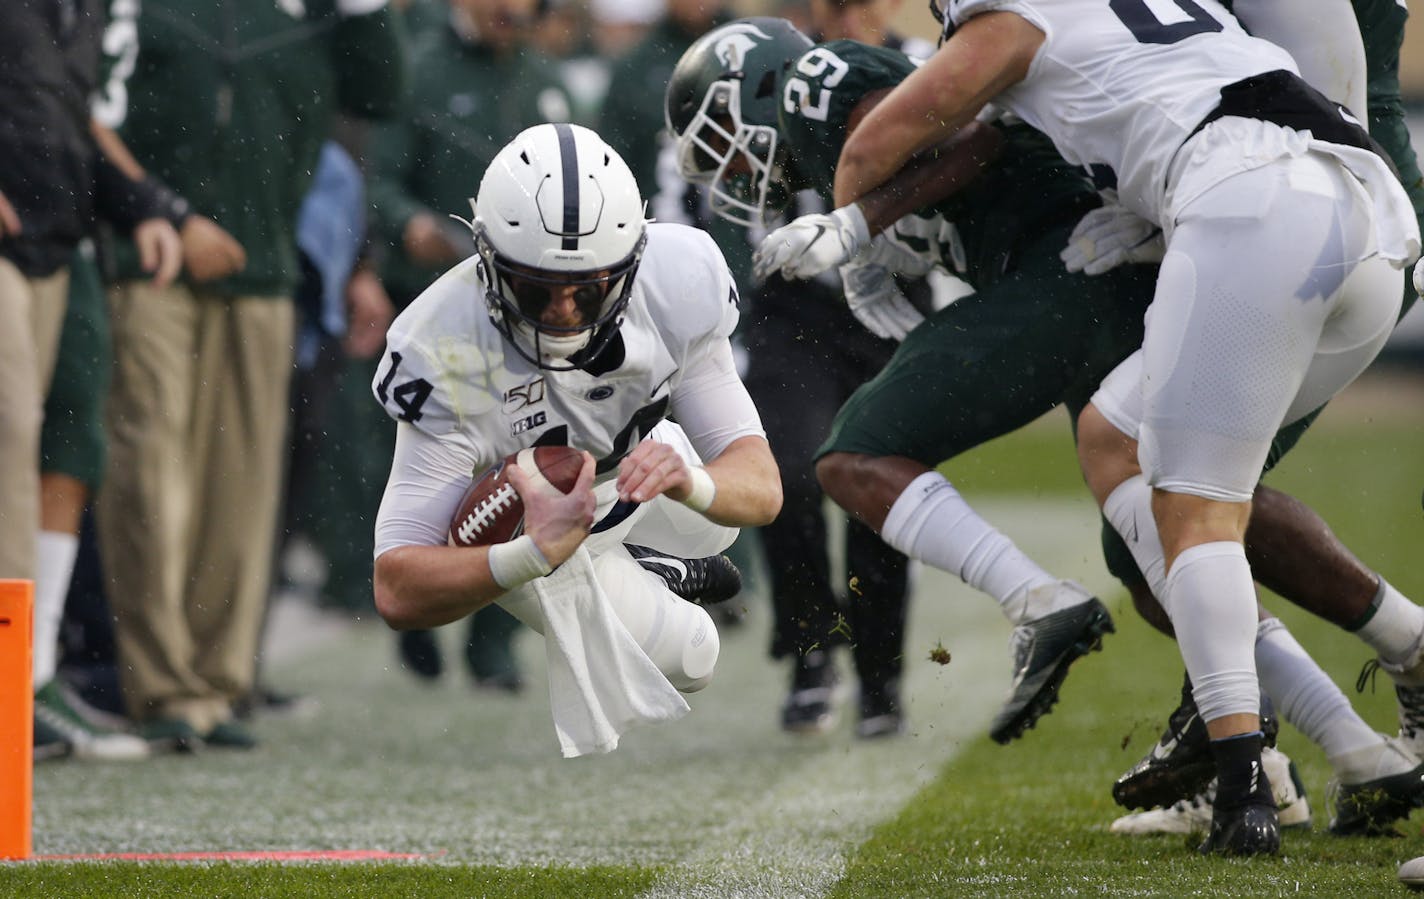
column 17, row 698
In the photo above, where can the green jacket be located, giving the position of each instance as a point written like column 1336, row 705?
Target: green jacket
column 230, row 102
column 466, row 103
column 633, row 122
column 632, row 119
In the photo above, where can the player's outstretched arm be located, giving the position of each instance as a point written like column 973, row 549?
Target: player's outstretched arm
column 987, row 54
column 427, row 586
column 739, row 488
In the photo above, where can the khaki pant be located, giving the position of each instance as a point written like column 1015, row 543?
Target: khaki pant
column 197, row 424
column 31, row 315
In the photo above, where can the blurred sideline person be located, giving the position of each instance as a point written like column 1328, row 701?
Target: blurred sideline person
column 344, row 313
column 475, row 82
column 63, row 167
column 575, row 324
column 806, row 356
column 229, row 102
column 814, row 344
column 1315, row 193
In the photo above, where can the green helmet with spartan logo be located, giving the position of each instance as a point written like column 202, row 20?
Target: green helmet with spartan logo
column 721, row 105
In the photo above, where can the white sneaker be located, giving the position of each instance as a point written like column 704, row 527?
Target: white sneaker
column 86, row 741
column 1193, row 815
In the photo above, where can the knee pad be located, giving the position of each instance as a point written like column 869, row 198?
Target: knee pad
column 677, row 635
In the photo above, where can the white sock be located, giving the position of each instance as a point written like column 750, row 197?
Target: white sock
column 1212, row 601
column 54, row 566
column 1129, row 510
column 1395, row 628
column 931, row 522
column 1305, row 695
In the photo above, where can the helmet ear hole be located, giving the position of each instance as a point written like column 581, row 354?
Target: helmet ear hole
column 767, row 86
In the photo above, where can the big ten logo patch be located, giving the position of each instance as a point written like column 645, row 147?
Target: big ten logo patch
column 516, row 398
column 527, row 423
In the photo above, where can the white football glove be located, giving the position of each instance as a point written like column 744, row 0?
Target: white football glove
column 1419, row 278
column 1110, row 236
column 811, row 244
column 876, row 300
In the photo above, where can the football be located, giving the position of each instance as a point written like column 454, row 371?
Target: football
column 491, row 511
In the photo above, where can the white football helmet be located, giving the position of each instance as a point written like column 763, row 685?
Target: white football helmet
column 558, row 208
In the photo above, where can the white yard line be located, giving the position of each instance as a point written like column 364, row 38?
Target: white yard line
column 722, row 799
column 792, row 840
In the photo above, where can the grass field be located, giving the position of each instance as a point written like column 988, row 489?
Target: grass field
column 724, row 804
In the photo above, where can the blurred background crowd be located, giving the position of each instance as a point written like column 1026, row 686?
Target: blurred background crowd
column 208, row 437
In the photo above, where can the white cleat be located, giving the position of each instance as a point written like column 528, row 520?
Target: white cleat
column 1411, row 873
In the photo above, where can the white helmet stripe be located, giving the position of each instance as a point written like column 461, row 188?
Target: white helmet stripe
column 569, row 157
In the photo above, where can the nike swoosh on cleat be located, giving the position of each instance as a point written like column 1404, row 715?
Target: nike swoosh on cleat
column 676, row 564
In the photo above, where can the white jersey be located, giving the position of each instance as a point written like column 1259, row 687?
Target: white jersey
column 465, row 399
column 1119, row 89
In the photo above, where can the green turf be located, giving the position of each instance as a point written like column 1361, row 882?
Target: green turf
column 723, row 804
column 1031, row 819
column 227, row 881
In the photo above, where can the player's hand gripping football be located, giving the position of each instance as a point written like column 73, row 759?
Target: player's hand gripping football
column 1110, row 236
column 558, row 523
column 811, row 244
column 877, row 302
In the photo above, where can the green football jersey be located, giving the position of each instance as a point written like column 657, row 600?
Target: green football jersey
column 1028, row 188
column 1382, row 27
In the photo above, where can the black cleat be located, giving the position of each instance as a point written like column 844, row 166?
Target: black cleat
column 706, row 581
column 1370, row 809
column 1244, row 820
column 808, row 707
column 1251, row 829
column 880, row 713
column 420, row 653
column 1180, row 764
column 1042, row 650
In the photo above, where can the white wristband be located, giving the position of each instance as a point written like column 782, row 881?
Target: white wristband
column 517, row 562
column 853, row 218
column 703, row 490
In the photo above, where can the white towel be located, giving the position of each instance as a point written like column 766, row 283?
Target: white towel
column 601, row 682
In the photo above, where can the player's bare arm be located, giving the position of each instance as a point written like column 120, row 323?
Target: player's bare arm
column 986, row 55
column 746, row 482
column 819, row 242
column 427, row 586
column 931, row 175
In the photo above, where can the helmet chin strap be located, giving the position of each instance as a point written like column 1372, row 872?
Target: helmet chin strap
column 555, row 347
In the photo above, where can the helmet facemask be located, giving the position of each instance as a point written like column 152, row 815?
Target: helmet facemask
column 734, row 159
column 517, row 295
